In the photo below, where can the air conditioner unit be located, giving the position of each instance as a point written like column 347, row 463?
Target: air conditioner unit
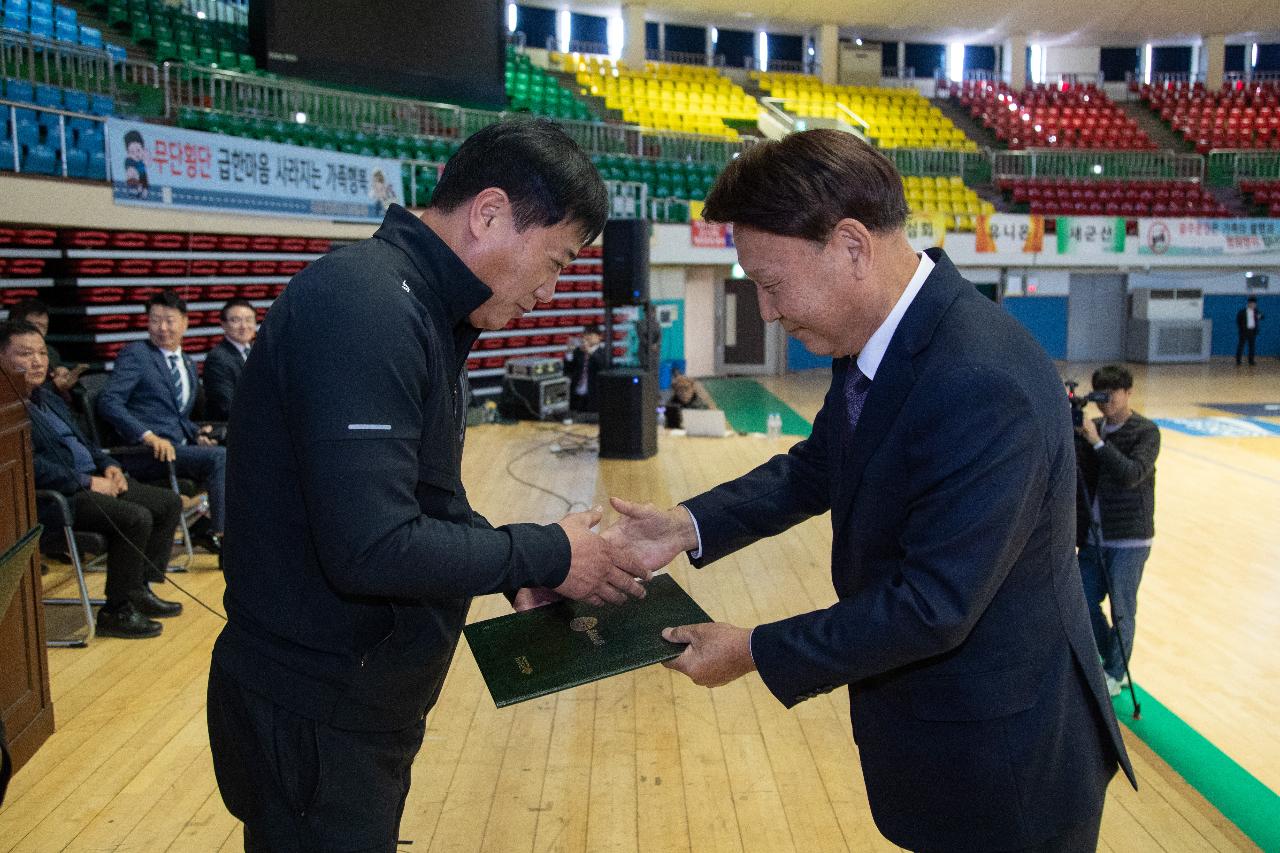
column 1160, row 304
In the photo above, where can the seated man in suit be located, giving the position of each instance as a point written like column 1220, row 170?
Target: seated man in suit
column 582, row 363
column 149, row 400
column 137, row 520
column 224, row 363
column 62, row 377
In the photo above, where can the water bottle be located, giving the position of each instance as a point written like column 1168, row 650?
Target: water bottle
column 773, row 426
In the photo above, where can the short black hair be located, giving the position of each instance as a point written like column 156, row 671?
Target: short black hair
column 236, row 303
column 26, row 308
column 592, row 329
column 168, row 299
column 545, row 174
column 805, row 183
column 1252, row 299
column 132, row 137
column 10, row 329
column 1112, row 377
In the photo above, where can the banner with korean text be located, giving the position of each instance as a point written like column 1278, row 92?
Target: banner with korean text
column 927, row 230
column 1009, row 232
column 159, row 166
column 1090, row 235
column 1212, row 237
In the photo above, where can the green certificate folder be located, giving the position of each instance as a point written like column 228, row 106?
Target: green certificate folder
column 561, row 645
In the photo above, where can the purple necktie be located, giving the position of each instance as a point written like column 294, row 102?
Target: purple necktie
column 856, row 386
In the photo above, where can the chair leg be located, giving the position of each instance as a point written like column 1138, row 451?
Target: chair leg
column 84, row 600
column 182, row 522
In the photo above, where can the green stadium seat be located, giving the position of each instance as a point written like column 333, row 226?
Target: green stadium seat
column 187, row 52
column 228, row 59
column 207, row 56
column 245, row 63
column 166, row 51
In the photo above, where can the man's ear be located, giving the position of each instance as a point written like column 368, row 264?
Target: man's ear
column 852, row 238
column 489, row 206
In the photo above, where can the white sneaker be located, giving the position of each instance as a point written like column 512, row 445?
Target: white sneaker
column 1113, row 686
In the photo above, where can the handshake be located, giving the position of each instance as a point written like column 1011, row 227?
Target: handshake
column 610, row 566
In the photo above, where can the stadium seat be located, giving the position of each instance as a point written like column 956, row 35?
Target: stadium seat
column 77, row 163
column 41, row 160
column 102, row 105
column 97, row 166
column 1052, row 116
column 90, row 37
column 6, row 155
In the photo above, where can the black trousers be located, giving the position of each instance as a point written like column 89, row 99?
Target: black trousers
column 1080, row 838
column 139, row 527
column 1249, row 337
column 301, row 786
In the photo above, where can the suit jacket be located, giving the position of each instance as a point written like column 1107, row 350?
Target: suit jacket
column 52, row 462
column 977, row 701
column 575, row 362
column 1242, row 320
column 140, row 396
column 222, row 368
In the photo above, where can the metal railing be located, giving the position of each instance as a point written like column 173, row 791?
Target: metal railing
column 681, row 57
column 11, row 108
column 1097, row 164
column 250, row 96
column 1228, row 167
column 40, row 60
column 775, row 109
column 974, row 167
column 853, row 118
column 220, row 11
column 1247, row 77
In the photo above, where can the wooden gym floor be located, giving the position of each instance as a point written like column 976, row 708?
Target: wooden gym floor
column 650, row 762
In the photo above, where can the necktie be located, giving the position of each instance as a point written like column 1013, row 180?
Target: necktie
column 856, row 386
column 175, row 374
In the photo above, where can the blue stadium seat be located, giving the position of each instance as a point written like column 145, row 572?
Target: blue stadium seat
column 75, row 101
column 14, row 21
column 28, row 133
column 41, row 160
column 103, row 105
column 77, row 163
column 97, row 166
column 42, row 27
column 66, row 32
column 90, row 37
column 90, row 141
column 40, row 8
column 6, row 155
column 19, row 90
column 64, row 14
column 116, row 52
column 48, row 96
column 18, row 7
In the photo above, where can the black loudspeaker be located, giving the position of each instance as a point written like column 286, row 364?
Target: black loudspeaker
column 626, row 261
column 628, row 413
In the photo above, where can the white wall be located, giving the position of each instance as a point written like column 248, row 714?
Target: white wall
column 700, row 319
column 1210, row 281
column 1072, row 60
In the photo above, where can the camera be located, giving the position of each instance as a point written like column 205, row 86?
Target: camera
column 1079, row 401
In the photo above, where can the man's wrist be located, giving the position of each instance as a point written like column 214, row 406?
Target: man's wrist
column 1099, row 444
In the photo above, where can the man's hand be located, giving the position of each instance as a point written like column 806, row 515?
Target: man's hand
column 1089, row 432
column 717, row 653
column 534, row 596
column 103, row 486
column 205, row 441
column 646, row 538
column 64, row 379
column 593, row 577
column 161, row 448
column 116, row 476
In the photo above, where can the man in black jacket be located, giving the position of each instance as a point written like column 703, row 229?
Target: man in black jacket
column 582, row 363
column 353, row 551
column 225, row 362
column 1115, row 515
column 1248, row 319
column 137, row 520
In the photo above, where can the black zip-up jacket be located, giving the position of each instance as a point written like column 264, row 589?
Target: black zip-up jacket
column 352, row 552
column 1122, row 474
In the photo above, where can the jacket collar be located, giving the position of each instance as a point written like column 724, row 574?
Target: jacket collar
column 442, row 274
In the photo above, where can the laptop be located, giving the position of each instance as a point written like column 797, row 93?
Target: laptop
column 709, row 422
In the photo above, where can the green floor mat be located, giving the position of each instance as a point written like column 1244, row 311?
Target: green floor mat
column 747, row 405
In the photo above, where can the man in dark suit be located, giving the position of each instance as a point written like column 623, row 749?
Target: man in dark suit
column 1248, row 319
column 137, row 520
column 225, row 362
column 582, row 363
column 149, row 400
column 943, row 451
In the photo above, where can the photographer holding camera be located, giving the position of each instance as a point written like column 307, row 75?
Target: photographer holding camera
column 1115, row 516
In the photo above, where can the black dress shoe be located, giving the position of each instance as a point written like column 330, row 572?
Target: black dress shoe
column 211, row 542
column 153, row 575
column 127, row 623
column 149, row 605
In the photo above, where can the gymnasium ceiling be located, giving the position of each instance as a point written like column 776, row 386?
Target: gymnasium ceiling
column 1105, row 22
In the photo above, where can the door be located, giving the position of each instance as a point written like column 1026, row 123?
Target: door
column 1096, row 320
column 745, row 343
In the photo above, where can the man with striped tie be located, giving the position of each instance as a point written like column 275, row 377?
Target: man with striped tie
column 149, row 400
